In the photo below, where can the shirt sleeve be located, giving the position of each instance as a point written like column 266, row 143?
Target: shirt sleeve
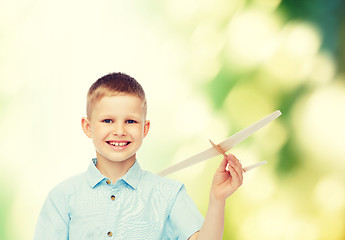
column 53, row 220
column 184, row 218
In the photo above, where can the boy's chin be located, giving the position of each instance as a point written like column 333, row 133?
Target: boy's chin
column 118, row 159
column 122, row 160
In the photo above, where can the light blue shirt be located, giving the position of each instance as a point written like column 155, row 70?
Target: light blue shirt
column 140, row 205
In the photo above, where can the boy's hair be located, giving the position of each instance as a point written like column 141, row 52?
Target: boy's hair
column 114, row 84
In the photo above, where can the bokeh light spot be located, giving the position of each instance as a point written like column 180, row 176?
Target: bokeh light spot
column 329, row 194
column 251, row 37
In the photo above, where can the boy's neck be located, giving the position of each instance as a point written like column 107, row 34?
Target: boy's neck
column 114, row 170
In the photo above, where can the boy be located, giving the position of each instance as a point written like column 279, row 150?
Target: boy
column 115, row 198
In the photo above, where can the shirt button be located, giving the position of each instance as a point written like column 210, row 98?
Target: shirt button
column 112, row 197
column 108, row 181
column 110, row 234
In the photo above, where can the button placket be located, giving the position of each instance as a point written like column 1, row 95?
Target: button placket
column 114, row 193
column 112, row 198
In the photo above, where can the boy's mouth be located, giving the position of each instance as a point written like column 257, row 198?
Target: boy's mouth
column 118, row 143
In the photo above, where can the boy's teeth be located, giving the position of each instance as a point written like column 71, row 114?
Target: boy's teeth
column 118, row 144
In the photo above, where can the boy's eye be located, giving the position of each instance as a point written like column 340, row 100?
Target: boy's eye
column 130, row 121
column 107, row 121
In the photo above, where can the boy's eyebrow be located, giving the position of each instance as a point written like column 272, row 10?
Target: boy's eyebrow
column 114, row 117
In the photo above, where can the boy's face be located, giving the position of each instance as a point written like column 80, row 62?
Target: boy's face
column 117, row 127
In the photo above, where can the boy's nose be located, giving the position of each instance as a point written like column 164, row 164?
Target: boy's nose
column 119, row 130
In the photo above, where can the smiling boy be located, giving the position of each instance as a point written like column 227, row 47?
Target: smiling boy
column 117, row 127
column 115, row 198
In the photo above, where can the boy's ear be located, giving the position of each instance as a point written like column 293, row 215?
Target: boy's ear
column 146, row 127
column 85, row 124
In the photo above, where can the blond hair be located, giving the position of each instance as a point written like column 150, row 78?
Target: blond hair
column 114, row 84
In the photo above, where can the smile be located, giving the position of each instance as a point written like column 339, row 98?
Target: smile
column 118, row 143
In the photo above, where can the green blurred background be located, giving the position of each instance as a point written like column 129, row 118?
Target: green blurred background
column 209, row 68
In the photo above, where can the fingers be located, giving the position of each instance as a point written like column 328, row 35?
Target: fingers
column 222, row 165
column 235, row 169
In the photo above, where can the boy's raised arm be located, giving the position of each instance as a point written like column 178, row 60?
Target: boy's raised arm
column 225, row 182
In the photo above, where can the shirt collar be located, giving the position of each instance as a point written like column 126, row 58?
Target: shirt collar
column 132, row 177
